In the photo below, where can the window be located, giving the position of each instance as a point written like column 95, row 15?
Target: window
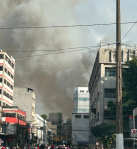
column 81, row 91
column 110, row 93
column 8, row 73
column 5, row 81
column 110, row 71
column 0, row 91
column 6, row 70
column 1, row 56
column 11, row 76
column 77, row 116
column 6, row 58
column 12, row 65
column 9, row 61
column 11, row 87
column 1, row 67
column 0, row 79
column 86, row 116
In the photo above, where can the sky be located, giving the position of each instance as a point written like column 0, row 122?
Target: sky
column 53, row 77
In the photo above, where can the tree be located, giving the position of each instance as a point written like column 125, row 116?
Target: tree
column 105, row 132
column 44, row 116
column 129, row 94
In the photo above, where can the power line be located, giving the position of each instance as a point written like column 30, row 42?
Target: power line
column 64, row 51
column 57, row 49
column 63, row 26
column 129, row 31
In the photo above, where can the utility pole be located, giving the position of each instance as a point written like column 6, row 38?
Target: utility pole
column 119, row 112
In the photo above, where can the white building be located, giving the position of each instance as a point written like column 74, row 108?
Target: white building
column 81, row 100
column 7, row 68
column 80, row 117
column 102, row 85
column 40, row 129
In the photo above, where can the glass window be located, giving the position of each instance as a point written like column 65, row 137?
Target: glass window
column 86, row 116
column 77, row 116
column 110, row 93
column 81, row 91
column 1, row 67
column 1, row 56
column 110, row 71
column 6, row 70
column 8, row 73
column 0, row 79
column 0, row 91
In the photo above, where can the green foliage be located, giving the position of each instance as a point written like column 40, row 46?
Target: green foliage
column 44, row 116
column 105, row 132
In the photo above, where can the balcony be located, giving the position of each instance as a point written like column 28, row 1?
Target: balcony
column 93, row 107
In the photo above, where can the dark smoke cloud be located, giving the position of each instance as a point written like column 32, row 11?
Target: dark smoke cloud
column 49, row 76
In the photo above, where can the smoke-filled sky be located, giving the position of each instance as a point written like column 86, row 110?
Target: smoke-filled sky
column 53, row 77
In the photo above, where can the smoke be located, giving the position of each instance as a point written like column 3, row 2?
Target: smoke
column 53, row 77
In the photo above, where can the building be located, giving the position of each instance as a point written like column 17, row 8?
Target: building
column 80, row 117
column 56, row 118
column 7, row 68
column 14, row 127
column 39, row 129
column 52, row 127
column 81, row 100
column 25, row 99
column 102, row 85
column 80, row 129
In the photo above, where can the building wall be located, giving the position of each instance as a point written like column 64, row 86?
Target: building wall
column 25, row 99
column 7, row 67
column 81, row 100
column 80, row 129
column 55, row 118
column 102, row 84
column 39, row 129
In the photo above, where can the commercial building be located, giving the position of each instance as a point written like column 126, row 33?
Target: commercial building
column 25, row 99
column 56, row 118
column 15, row 130
column 40, row 129
column 7, row 67
column 80, row 117
column 102, row 85
column 81, row 100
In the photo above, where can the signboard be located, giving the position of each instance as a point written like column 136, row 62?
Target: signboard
column 133, row 132
column 97, row 143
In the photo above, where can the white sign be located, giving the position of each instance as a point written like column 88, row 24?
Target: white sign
column 133, row 133
column 97, row 143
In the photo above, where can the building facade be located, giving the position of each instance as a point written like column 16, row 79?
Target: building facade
column 25, row 99
column 80, row 129
column 80, row 117
column 56, row 118
column 14, row 126
column 81, row 100
column 7, row 67
column 39, row 129
column 102, row 85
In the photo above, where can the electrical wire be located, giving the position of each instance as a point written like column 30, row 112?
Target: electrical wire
column 65, row 51
column 129, row 31
column 63, row 26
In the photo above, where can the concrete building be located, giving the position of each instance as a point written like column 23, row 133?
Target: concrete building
column 56, row 118
column 102, row 85
column 7, row 67
column 80, row 129
column 14, row 126
column 81, row 100
column 52, row 127
column 80, row 117
column 40, row 129
column 25, row 99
